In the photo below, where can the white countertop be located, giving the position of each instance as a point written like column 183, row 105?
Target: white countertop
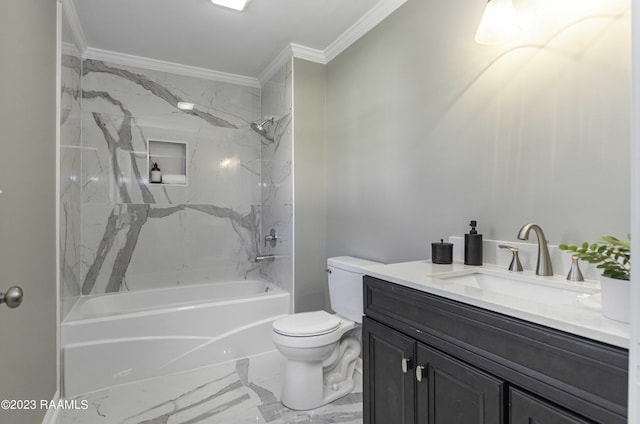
column 582, row 317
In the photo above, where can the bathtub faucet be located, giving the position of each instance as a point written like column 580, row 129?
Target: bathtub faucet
column 264, row 258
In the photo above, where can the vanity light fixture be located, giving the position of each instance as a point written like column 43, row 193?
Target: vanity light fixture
column 185, row 106
column 499, row 23
column 232, row 4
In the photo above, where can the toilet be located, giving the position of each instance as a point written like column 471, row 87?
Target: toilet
column 322, row 348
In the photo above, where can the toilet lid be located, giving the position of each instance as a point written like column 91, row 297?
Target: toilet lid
column 306, row 324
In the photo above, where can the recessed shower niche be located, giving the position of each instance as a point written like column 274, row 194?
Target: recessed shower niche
column 171, row 160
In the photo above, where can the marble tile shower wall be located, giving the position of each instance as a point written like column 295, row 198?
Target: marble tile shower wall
column 277, row 178
column 70, row 156
column 137, row 235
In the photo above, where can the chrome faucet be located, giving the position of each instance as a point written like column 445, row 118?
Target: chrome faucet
column 544, row 266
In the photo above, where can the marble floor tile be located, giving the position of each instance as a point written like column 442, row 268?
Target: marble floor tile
column 240, row 392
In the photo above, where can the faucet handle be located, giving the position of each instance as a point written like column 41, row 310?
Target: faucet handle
column 272, row 238
column 574, row 273
column 515, row 264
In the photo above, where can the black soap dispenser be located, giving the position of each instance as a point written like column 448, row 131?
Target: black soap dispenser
column 473, row 246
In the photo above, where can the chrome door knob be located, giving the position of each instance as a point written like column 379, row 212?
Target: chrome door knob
column 13, row 297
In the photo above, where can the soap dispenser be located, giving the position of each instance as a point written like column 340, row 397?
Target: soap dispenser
column 473, row 246
column 156, row 174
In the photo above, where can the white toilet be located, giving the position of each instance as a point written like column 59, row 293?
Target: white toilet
column 321, row 348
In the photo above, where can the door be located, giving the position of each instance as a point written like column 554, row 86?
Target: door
column 389, row 387
column 452, row 392
column 28, row 206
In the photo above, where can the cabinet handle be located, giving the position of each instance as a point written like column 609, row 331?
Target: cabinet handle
column 419, row 370
column 406, row 364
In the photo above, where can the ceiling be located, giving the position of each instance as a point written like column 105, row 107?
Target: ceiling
column 199, row 34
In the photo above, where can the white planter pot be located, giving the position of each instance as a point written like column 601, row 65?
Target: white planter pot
column 615, row 298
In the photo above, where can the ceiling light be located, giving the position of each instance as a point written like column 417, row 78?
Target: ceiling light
column 499, row 23
column 232, row 4
column 185, row 106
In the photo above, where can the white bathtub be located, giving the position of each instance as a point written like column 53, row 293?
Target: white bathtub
column 118, row 338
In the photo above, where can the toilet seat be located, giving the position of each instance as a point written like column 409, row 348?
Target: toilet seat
column 306, row 324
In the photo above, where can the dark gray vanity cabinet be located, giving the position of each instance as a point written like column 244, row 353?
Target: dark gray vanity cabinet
column 390, row 390
column 407, row 382
column 431, row 360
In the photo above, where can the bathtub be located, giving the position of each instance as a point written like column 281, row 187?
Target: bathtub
column 118, row 338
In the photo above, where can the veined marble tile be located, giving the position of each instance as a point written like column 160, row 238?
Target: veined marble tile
column 141, row 246
column 222, row 169
column 147, row 93
column 243, row 391
column 276, row 177
column 70, row 168
column 137, row 235
column 221, row 243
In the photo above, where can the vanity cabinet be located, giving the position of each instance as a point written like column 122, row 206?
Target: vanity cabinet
column 432, row 360
column 407, row 382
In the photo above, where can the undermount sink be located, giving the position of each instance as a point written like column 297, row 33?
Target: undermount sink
column 535, row 289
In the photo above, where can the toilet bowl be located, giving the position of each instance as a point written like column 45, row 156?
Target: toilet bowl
column 322, row 348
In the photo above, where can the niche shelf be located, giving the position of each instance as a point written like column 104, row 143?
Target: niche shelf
column 171, row 157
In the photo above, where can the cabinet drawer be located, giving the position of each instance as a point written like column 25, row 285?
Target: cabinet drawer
column 526, row 409
column 577, row 373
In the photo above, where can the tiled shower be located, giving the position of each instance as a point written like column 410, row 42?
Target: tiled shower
column 122, row 233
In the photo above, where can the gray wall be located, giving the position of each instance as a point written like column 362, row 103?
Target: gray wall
column 28, row 203
column 309, row 185
column 427, row 129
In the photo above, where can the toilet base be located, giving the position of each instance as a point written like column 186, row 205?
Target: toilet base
column 311, row 384
column 315, row 393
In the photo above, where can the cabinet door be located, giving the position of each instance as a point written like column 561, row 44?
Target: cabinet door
column 389, row 387
column 452, row 392
column 526, row 409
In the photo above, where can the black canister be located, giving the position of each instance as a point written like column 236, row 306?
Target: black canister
column 442, row 253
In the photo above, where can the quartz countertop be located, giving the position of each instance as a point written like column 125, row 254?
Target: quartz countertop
column 582, row 317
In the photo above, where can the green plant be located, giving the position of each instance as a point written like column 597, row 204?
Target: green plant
column 610, row 254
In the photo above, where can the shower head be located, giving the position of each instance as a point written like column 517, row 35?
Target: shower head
column 258, row 126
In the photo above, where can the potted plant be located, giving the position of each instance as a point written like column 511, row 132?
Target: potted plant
column 613, row 257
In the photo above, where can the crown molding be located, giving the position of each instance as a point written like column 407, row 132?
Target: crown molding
column 307, row 53
column 363, row 25
column 71, row 14
column 372, row 18
column 174, row 68
column 285, row 55
column 290, row 51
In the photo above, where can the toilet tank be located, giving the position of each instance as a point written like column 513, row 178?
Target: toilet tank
column 345, row 286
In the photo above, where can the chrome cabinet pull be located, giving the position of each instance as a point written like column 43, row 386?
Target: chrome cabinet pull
column 419, row 370
column 13, row 297
column 406, row 364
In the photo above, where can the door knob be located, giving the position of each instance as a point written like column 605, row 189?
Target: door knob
column 13, row 297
